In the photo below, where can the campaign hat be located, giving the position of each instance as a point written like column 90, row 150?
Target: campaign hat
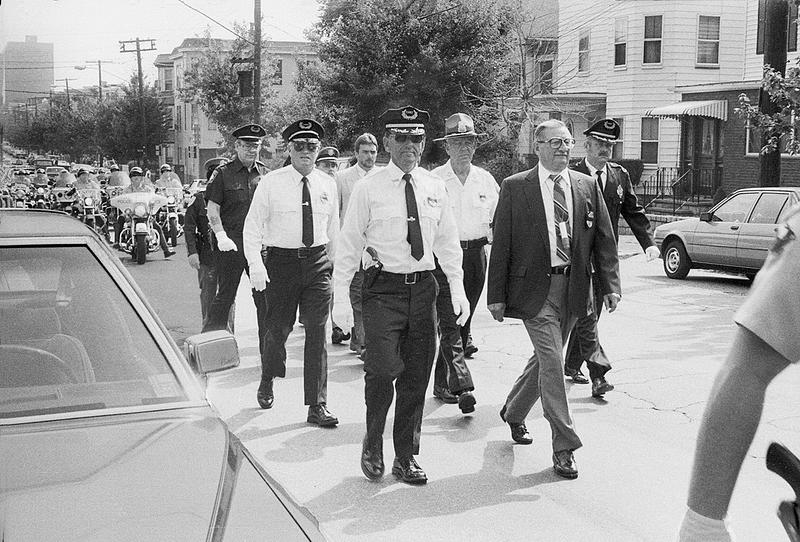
column 458, row 125
column 405, row 120
column 303, row 129
column 328, row 154
column 249, row 132
column 604, row 130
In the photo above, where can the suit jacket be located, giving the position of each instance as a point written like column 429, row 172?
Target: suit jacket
column 519, row 267
column 621, row 199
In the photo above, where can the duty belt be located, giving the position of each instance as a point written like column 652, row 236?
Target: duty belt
column 474, row 243
column 300, row 253
column 406, row 278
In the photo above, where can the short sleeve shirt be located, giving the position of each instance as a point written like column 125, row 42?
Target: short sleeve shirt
column 231, row 187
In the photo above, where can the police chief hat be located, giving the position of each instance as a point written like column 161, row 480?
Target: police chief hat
column 458, row 125
column 249, row 132
column 604, row 130
column 303, row 129
column 405, row 120
column 328, row 154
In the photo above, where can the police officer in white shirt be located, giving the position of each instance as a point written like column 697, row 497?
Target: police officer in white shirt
column 294, row 213
column 402, row 214
column 473, row 194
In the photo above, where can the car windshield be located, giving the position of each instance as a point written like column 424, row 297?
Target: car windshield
column 70, row 340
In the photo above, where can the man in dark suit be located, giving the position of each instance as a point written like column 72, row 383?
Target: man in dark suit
column 620, row 199
column 550, row 227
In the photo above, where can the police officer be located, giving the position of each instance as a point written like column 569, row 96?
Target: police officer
column 404, row 216
column 140, row 183
column 295, row 214
column 473, row 194
column 228, row 197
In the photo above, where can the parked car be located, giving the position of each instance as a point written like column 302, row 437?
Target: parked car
column 735, row 235
column 106, row 431
column 52, row 172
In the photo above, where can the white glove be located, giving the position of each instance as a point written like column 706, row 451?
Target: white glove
column 461, row 309
column 652, row 253
column 258, row 276
column 342, row 312
column 224, row 242
column 698, row 528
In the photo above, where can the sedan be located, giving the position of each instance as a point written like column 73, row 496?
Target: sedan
column 734, row 236
column 106, row 433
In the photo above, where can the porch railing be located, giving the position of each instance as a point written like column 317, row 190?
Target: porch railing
column 672, row 189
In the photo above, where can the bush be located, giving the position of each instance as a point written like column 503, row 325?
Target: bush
column 499, row 157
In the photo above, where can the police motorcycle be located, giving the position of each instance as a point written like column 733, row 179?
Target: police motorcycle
column 63, row 192
column 170, row 218
column 139, row 236
column 19, row 195
column 89, row 209
column 785, row 464
column 40, row 193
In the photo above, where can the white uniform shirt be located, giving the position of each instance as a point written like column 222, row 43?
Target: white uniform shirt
column 345, row 181
column 377, row 218
column 275, row 217
column 473, row 202
column 546, row 184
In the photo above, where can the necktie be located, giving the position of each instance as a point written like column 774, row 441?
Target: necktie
column 562, row 222
column 599, row 174
column 308, row 216
column 414, row 231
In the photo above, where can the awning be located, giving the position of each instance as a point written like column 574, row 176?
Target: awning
column 715, row 109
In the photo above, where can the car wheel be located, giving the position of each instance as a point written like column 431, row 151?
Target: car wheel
column 676, row 261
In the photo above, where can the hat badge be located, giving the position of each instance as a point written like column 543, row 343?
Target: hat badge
column 409, row 114
column 254, row 128
column 462, row 126
column 305, row 125
column 609, row 125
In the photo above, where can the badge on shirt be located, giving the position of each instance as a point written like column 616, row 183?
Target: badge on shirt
column 324, row 197
column 482, row 197
column 433, row 202
column 620, row 192
column 589, row 219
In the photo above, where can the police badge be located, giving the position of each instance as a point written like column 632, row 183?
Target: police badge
column 323, row 197
column 620, row 191
column 589, row 219
column 432, row 202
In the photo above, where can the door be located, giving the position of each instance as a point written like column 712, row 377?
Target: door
column 715, row 241
column 758, row 233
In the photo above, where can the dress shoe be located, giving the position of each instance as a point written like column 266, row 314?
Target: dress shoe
column 265, row 396
column 519, row 433
column 564, row 464
column 168, row 253
column 600, row 386
column 319, row 414
column 576, row 375
column 407, row 470
column 338, row 336
column 469, row 348
column 466, row 402
column 444, row 395
column 372, row 460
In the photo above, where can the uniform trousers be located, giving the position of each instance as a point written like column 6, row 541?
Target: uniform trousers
column 230, row 264
column 543, row 376
column 400, row 329
column 584, row 344
column 298, row 278
column 474, row 267
column 357, row 339
column 207, row 279
column 451, row 370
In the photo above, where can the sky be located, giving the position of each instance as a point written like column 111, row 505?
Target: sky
column 90, row 30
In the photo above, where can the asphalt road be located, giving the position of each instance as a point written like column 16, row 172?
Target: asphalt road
column 666, row 341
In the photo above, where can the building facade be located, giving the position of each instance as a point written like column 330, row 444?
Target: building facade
column 26, row 71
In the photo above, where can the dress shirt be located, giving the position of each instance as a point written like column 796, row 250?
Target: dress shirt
column 593, row 174
column 546, row 184
column 377, row 218
column 473, row 202
column 275, row 218
column 345, row 181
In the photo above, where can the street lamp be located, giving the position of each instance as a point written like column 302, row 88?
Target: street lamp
column 99, row 76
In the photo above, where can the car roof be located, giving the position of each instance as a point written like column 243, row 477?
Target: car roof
column 795, row 189
column 39, row 223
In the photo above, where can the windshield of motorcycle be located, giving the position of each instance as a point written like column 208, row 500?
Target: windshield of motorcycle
column 70, row 340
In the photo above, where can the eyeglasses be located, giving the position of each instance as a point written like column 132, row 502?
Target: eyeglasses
column 461, row 142
column 556, row 142
column 250, row 144
column 414, row 138
column 311, row 146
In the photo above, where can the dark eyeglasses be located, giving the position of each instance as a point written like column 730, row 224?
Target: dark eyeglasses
column 414, row 138
column 299, row 146
column 556, row 142
column 249, row 144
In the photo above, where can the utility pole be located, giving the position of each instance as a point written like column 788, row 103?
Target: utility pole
column 776, row 23
column 138, row 50
column 66, row 82
column 257, row 63
column 100, row 80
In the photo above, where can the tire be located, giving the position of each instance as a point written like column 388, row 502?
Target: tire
column 676, row 261
column 141, row 249
column 173, row 232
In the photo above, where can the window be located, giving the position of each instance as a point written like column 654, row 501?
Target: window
column 768, row 208
column 178, row 118
column 652, row 39
column 212, row 125
column 168, row 75
column 544, row 77
column 708, row 40
column 620, row 41
column 277, row 75
column 735, row 209
column 649, row 140
column 583, row 52
column 762, row 20
column 616, row 152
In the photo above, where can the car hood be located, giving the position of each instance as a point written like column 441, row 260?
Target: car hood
column 687, row 224
column 112, row 478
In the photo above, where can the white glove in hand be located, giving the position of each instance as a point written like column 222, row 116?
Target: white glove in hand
column 652, row 253
column 258, row 276
column 461, row 309
column 342, row 312
column 224, row 242
column 698, row 528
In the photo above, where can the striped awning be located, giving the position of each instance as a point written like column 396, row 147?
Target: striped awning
column 715, row 109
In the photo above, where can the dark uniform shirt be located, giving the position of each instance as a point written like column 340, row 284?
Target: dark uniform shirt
column 197, row 230
column 231, row 187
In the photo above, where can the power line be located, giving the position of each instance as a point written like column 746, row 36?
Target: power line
column 213, row 20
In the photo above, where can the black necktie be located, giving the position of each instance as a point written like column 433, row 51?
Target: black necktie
column 414, row 232
column 308, row 216
column 561, row 216
column 599, row 174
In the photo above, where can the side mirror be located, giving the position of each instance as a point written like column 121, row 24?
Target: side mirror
column 706, row 216
column 212, row 351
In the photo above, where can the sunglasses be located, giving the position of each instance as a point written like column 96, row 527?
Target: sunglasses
column 299, row 146
column 556, row 142
column 414, row 138
column 250, row 144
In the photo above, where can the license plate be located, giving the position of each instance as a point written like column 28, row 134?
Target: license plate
column 141, row 227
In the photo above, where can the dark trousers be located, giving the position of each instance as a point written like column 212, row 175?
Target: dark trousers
column 474, row 266
column 400, row 329
column 207, row 279
column 162, row 241
column 451, row 370
column 230, row 265
column 584, row 344
column 357, row 339
column 303, row 283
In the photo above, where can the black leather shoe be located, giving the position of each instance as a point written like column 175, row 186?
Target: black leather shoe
column 407, row 470
column 469, row 348
column 519, row 433
column 372, row 460
column 168, row 253
column 444, row 395
column 577, row 376
column 319, row 414
column 600, row 386
column 338, row 336
column 466, row 402
column 265, row 396
column 564, row 464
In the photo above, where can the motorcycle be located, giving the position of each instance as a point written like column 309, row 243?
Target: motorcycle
column 90, row 213
column 41, row 197
column 20, row 196
column 786, row 465
column 139, row 236
column 170, row 219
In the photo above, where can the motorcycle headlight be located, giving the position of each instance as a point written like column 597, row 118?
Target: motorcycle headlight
column 88, row 202
column 127, row 211
column 171, row 200
column 140, row 211
column 40, row 190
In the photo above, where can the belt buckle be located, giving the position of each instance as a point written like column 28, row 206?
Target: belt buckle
column 302, row 252
column 414, row 277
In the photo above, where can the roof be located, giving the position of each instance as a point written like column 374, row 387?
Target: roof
column 715, row 109
column 40, row 223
